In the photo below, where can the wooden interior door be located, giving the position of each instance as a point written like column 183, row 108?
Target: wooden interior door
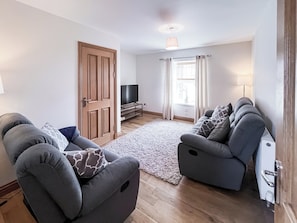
column 286, row 138
column 97, row 90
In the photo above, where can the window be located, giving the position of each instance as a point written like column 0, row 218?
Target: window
column 184, row 82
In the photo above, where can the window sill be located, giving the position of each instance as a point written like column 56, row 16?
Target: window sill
column 184, row 105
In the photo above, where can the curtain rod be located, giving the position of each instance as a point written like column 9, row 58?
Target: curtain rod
column 207, row 55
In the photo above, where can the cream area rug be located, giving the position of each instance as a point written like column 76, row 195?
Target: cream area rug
column 155, row 147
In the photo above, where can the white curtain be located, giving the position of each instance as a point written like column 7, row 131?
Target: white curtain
column 168, row 95
column 201, row 87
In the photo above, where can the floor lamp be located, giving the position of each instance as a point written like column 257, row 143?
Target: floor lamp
column 244, row 80
column 1, row 86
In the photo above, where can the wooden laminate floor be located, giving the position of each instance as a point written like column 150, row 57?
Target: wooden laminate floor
column 162, row 202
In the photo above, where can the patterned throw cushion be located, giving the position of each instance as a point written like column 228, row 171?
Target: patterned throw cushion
column 205, row 125
column 206, row 128
column 196, row 128
column 220, row 113
column 220, row 132
column 56, row 135
column 86, row 163
column 230, row 107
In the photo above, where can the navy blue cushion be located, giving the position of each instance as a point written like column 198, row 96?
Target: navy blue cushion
column 70, row 132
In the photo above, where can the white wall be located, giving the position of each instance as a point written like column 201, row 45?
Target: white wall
column 128, row 68
column 265, row 65
column 225, row 64
column 38, row 64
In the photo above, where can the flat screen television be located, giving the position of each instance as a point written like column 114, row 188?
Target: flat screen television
column 129, row 94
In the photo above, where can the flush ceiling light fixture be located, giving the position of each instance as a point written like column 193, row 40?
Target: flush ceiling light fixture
column 170, row 28
column 171, row 42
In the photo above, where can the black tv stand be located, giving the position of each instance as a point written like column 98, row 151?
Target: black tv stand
column 131, row 110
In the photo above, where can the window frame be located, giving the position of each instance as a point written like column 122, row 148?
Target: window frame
column 190, row 61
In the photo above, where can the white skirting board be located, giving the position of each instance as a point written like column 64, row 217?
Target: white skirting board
column 265, row 159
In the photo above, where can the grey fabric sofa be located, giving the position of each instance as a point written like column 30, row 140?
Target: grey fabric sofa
column 223, row 164
column 50, row 186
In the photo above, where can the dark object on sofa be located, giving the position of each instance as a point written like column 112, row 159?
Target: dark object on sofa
column 223, row 164
column 50, row 186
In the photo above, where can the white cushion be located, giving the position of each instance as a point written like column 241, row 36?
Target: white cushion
column 56, row 135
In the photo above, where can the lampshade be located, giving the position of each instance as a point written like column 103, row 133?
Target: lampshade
column 244, row 80
column 171, row 43
column 1, row 86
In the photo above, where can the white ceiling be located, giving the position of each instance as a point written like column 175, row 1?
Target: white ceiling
column 136, row 22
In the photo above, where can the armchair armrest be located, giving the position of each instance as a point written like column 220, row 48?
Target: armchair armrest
column 78, row 142
column 73, row 136
column 84, row 143
column 107, row 182
column 46, row 165
column 201, row 143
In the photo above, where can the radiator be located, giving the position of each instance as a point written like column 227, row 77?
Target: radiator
column 265, row 159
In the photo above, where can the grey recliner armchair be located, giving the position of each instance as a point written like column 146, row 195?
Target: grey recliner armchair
column 223, row 164
column 51, row 188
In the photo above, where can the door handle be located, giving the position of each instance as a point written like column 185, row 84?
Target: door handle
column 85, row 101
column 278, row 166
column 277, row 175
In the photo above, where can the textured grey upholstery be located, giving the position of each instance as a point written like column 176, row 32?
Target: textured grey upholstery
column 50, row 186
column 223, row 164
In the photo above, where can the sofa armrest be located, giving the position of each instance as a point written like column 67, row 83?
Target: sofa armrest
column 107, row 182
column 201, row 143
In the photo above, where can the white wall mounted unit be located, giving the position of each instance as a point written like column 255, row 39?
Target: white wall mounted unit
column 265, row 159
